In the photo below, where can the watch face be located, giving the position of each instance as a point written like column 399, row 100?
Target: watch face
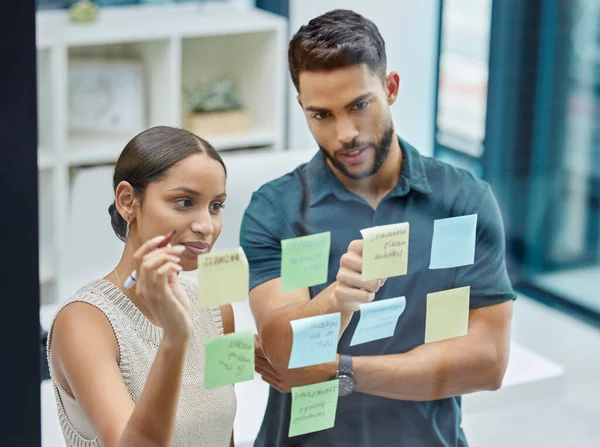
column 346, row 385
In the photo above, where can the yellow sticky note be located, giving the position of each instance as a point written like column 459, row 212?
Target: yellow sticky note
column 385, row 251
column 447, row 314
column 223, row 278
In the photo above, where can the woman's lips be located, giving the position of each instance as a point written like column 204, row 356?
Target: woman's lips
column 196, row 248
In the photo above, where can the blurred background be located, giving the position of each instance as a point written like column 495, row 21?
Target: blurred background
column 507, row 89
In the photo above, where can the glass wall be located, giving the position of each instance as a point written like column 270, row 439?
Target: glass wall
column 518, row 104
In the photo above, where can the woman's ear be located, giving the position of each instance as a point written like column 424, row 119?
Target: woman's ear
column 125, row 201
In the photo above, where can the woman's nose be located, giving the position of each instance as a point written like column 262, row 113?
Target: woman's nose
column 203, row 225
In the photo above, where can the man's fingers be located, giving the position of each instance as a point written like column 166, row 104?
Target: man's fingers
column 354, row 280
column 347, row 294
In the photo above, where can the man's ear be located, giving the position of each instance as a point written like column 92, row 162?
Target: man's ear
column 126, row 201
column 392, row 85
column 299, row 101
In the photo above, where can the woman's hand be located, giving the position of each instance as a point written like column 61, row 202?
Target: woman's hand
column 158, row 289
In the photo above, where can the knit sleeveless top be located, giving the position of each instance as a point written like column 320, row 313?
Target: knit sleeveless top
column 204, row 417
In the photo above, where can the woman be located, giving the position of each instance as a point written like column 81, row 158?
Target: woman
column 127, row 364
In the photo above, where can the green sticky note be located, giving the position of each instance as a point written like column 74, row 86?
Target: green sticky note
column 447, row 314
column 223, row 278
column 385, row 251
column 313, row 407
column 304, row 261
column 229, row 359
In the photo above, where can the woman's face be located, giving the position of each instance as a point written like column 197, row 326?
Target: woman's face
column 188, row 199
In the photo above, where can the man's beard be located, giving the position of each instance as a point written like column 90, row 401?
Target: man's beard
column 382, row 149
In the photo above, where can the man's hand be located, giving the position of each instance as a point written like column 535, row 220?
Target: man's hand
column 283, row 382
column 266, row 370
column 350, row 290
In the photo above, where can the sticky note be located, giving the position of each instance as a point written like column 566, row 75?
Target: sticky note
column 453, row 243
column 223, row 278
column 229, row 359
column 385, row 251
column 315, row 340
column 378, row 320
column 304, row 261
column 447, row 314
column 313, row 407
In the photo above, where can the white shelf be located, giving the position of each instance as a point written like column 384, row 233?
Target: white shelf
column 91, row 150
column 146, row 23
column 47, row 273
column 252, row 138
column 180, row 47
column 45, row 159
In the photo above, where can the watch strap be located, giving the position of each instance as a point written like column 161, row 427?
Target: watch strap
column 345, row 365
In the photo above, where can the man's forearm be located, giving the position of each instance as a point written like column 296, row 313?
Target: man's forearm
column 277, row 335
column 432, row 371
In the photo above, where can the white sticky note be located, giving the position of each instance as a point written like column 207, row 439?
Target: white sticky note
column 315, row 340
column 378, row 320
column 453, row 243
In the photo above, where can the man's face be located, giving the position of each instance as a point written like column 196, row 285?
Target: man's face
column 349, row 116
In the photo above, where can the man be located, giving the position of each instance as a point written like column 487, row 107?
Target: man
column 396, row 391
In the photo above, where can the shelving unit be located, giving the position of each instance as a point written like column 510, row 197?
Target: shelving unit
column 179, row 46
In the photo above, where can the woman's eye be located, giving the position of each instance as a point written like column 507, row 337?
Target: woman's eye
column 217, row 206
column 184, row 203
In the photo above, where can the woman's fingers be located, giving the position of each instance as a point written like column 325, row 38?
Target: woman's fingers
column 152, row 263
column 146, row 248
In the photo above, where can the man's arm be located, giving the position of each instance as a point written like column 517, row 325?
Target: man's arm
column 273, row 311
column 447, row 368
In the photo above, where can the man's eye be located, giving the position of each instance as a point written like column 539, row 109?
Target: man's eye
column 320, row 116
column 361, row 105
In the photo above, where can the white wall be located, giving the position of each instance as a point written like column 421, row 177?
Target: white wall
column 410, row 31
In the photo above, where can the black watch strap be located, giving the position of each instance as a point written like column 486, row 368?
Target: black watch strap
column 345, row 365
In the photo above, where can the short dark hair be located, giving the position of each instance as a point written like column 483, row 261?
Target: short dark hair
column 147, row 158
column 336, row 39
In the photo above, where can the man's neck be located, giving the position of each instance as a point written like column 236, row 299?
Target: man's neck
column 374, row 188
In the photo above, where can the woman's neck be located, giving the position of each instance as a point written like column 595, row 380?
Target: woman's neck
column 120, row 274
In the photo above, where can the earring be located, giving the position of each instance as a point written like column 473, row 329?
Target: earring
column 127, row 230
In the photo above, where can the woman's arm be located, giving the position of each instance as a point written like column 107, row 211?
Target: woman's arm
column 228, row 319
column 228, row 328
column 84, row 355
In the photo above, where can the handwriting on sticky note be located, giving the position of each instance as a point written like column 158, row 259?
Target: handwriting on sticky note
column 229, row 359
column 385, row 251
column 447, row 314
column 453, row 242
column 313, row 407
column 304, row 261
column 315, row 340
column 378, row 320
column 223, row 278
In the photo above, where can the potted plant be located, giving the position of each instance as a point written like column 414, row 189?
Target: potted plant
column 216, row 108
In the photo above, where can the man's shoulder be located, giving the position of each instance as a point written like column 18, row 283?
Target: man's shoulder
column 445, row 178
column 284, row 187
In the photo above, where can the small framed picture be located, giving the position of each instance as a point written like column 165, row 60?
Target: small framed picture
column 106, row 96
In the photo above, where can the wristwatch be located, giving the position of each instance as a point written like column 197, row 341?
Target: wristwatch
column 345, row 375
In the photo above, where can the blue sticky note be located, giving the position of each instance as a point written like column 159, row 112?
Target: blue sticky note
column 315, row 340
column 453, row 242
column 378, row 320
